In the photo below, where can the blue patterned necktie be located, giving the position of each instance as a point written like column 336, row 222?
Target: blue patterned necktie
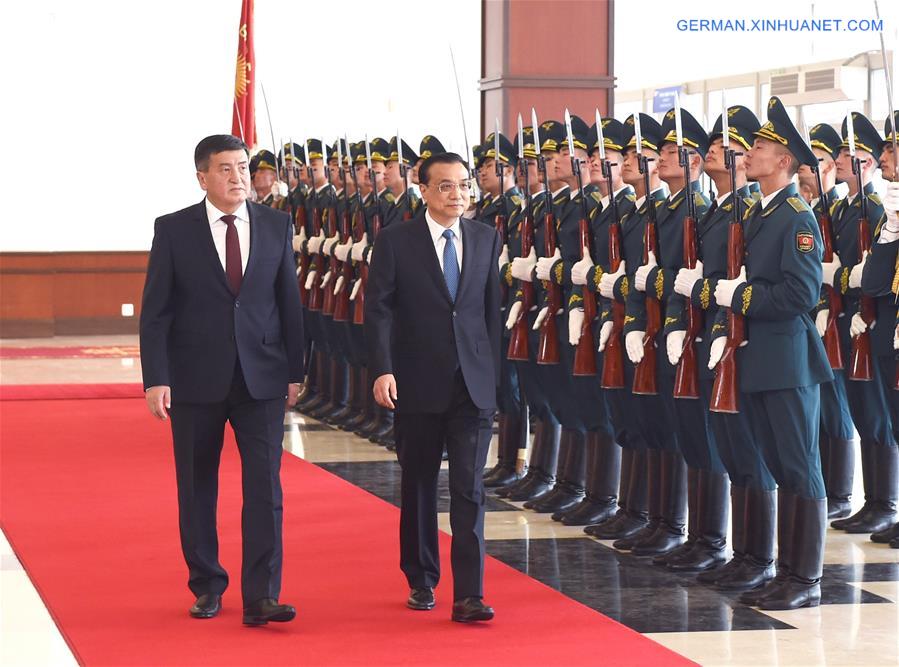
column 450, row 264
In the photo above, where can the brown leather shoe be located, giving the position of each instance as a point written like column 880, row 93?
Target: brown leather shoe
column 471, row 609
column 207, row 605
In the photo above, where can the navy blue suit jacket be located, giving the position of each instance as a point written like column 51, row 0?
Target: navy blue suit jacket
column 193, row 329
column 415, row 331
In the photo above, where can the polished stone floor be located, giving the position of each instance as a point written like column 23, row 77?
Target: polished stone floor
column 858, row 622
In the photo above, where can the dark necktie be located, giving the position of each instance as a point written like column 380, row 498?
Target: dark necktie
column 233, row 266
column 450, row 264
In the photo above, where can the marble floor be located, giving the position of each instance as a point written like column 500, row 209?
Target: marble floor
column 857, row 623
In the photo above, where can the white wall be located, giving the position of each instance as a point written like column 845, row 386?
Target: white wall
column 104, row 101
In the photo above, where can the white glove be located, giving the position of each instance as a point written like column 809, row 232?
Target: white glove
column 828, row 269
column 821, row 321
column 724, row 290
column 575, row 324
column 330, row 242
column 538, row 322
column 580, row 270
column 356, row 286
column 503, row 256
column 326, row 279
column 310, row 278
column 855, row 275
column 633, row 345
column 279, row 189
column 896, row 338
column 607, row 282
column 514, row 312
column 675, row 346
column 716, row 351
column 686, row 280
column 523, row 267
column 338, row 285
column 359, row 246
column 342, row 250
column 604, row 332
column 315, row 243
column 891, row 205
column 643, row 272
column 858, row 326
column 545, row 265
column 299, row 240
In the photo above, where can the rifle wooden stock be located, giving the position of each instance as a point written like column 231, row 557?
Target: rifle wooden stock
column 359, row 311
column 686, row 377
column 645, row 372
column 318, row 265
column 860, row 357
column 585, row 352
column 725, row 390
column 518, row 342
column 548, row 345
column 613, row 355
column 328, row 300
column 298, row 224
column 342, row 300
column 831, row 338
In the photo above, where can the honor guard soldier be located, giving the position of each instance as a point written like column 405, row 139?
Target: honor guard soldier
column 497, row 178
column 264, row 176
column 540, row 473
column 639, row 169
column 608, row 467
column 398, row 179
column 837, row 429
column 583, row 410
column 854, row 222
column 784, row 362
column 734, row 449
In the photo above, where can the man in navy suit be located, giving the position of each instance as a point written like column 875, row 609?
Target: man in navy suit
column 432, row 326
column 221, row 337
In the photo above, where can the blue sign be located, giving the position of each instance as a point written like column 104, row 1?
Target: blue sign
column 663, row 98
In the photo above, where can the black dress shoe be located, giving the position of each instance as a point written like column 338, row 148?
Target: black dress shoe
column 421, row 599
column 267, row 609
column 747, row 575
column 838, row 508
column 886, row 535
column 665, row 539
column 207, row 605
column 504, row 476
column 467, row 610
column 793, row 594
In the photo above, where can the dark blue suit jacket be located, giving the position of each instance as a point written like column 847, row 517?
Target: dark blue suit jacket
column 415, row 331
column 192, row 328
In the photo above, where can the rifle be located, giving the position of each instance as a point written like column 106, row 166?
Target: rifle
column 585, row 352
column 499, row 221
column 318, row 262
column 518, row 342
column 342, row 297
column 725, row 391
column 860, row 357
column 613, row 355
column 686, row 376
column 645, row 372
column 548, row 344
column 299, row 223
column 401, row 165
column 359, row 312
column 331, row 230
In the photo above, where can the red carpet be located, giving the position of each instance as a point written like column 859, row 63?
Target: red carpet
column 70, row 352
column 48, row 392
column 88, row 503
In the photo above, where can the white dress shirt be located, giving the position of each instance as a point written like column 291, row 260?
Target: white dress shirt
column 437, row 230
column 219, row 229
column 767, row 199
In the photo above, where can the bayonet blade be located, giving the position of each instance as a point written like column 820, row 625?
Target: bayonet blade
column 600, row 139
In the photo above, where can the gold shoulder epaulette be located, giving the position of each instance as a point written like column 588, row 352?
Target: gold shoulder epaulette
column 673, row 205
column 596, row 196
column 748, row 211
column 515, row 200
column 630, row 196
column 798, row 204
column 699, row 200
column 874, row 197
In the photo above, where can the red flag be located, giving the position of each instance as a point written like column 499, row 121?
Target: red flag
column 243, row 123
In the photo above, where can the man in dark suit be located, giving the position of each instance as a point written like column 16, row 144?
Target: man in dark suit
column 221, row 338
column 432, row 326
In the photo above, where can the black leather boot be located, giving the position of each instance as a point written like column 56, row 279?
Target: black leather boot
column 841, row 470
column 653, row 489
column 694, row 519
column 352, row 399
column 882, row 512
column 501, row 433
column 321, row 389
column 326, row 383
column 385, row 425
column 513, row 436
column 737, row 538
column 670, row 532
column 803, row 587
column 603, row 470
column 544, row 463
column 363, row 391
column 756, row 568
column 869, row 482
column 624, row 480
column 569, row 488
column 532, row 468
column 886, row 535
column 786, row 515
column 340, row 385
column 708, row 550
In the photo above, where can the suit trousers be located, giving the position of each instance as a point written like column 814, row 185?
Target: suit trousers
column 198, row 432
column 465, row 431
